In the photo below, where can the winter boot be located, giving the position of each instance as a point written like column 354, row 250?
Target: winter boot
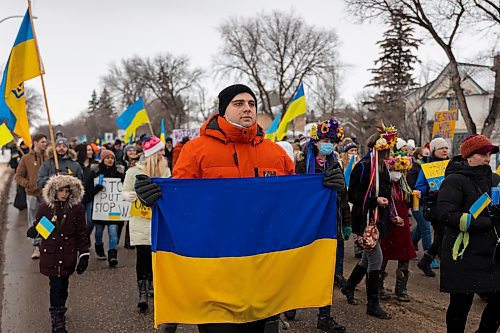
column 402, row 276
column 382, row 292
column 151, row 291
column 339, row 281
column 113, row 258
column 99, row 252
column 143, row 295
column 348, row 290
column 272, row 326
column 290, row 315
column 425, row 265
column 167, row 328
column 373, row 307
column 328, row 324
column 58, row 318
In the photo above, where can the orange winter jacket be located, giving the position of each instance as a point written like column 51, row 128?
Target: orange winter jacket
column 226, row 151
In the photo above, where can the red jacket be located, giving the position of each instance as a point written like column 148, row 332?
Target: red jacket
column 226, row 151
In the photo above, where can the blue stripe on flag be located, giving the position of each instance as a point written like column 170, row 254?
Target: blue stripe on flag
column 127, row 116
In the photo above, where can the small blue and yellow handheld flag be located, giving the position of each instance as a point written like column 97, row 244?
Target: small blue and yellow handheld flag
column 5, row 135
column 45, row 227
column 295, row 109
column 348, row 171
column 239, row 263
column 133, row 117
column 162, row 131
column 23, row 64
column 481, row 203
column 273, row 128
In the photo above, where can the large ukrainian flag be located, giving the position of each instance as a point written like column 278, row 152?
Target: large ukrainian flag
column 239, row 250
column 23, row 65
column 296, row 108
column 133, row 117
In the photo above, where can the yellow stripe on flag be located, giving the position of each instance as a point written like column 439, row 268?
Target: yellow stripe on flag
column 5, row 135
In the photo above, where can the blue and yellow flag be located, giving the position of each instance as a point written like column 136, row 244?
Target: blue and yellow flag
column 5, row 135
column 238, row 262
column 481, row 203
column 162, row 131
column 348, row 171
column 295, row 109
column 45, row 227
column 273, row 128
column 133, row 117
column 23, row 64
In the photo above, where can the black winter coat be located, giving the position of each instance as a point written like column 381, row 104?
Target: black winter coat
column 475, row 272
column 360, row 180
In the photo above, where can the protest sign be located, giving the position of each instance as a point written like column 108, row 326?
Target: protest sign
column 444, row 124
column 109, row 204
column 434, row 173
column 138, row 209
column 178, row 134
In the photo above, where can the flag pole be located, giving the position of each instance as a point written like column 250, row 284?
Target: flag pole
column 42, row 71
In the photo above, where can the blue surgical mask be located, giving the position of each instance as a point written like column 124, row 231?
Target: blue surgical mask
column 325, row 148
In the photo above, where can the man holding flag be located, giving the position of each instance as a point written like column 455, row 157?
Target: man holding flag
column 232, row 145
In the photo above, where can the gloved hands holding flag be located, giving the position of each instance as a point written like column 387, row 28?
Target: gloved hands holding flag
column 32, row 232
column 147, row 191
column 334, row 177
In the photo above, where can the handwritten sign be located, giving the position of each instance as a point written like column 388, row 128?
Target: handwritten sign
column 108, row 203
column 434, row 173
column 178, row 134
column 444, row 124
column 138, row 209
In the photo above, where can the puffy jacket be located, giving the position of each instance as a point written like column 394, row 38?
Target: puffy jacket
column 67, row 165
column 226, row 151
column 475, row 271
column 27, row 172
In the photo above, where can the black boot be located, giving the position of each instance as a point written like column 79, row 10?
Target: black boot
column 142, row 285
column 113, row 258
column 373, row 307
column 328, row 324
column 402, row 276
column 425, row 265
column 151, row 291
column 348, row 290
column 290, row 314
column 58, row 318
column 382, row 292
column 272, row 326
column 99, row 252
column 167, row 328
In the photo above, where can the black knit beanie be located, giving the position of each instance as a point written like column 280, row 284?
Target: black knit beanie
column 227, row 95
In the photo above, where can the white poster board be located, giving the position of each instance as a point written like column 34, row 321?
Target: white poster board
column 109, row 204
column 178, row 134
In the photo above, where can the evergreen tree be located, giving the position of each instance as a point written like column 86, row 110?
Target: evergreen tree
column 91, row 121
column 393, row 76
column 106, row 113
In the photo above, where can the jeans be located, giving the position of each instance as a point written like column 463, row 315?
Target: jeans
column 58, row 290
column 422, row 230
column 112, row 234
column 32, row 203
column 88, row 217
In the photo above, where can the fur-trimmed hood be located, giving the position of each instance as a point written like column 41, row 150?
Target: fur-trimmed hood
column 71, row 154
column 57, row 182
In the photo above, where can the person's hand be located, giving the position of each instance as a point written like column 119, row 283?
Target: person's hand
column 99, row 187
column 132, row 196
column 83, row 263
column 32, row 232
column 381, row 201
column 147, row 191
column 398, row 221
column 334, row 177
column 347, row 231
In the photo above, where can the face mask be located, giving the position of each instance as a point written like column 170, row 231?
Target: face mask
column 395, row 176
column 325, row 148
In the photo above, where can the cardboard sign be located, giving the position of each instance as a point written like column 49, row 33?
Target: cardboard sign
column 434, row 173
column 109, row 204
column 444, row 124
column 138, row 209
column 178, row 134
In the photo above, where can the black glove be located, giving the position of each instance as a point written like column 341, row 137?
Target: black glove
column 99, row 188
column 32, row 232
column 334, row 177
column 147, row 191
column 83, row 263
column 495, row 211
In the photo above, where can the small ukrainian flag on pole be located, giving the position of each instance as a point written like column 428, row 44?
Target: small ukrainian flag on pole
column 45, row 227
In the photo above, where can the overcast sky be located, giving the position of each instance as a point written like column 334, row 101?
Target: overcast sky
column 79, row 39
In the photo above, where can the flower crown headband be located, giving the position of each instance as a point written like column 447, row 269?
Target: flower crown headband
column 388, row 136
column 327, row 129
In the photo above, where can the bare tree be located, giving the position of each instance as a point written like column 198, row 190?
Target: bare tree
column 490, row 10
column 441, row 19
column 275, row 52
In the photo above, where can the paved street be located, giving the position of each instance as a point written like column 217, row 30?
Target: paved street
column 104, row 299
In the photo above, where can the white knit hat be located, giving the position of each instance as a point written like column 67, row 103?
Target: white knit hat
column 411, row 143
column 400, row 143
column 438, row 143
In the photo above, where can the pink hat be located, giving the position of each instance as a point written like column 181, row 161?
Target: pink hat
column 105, row 153
column 151, row 145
